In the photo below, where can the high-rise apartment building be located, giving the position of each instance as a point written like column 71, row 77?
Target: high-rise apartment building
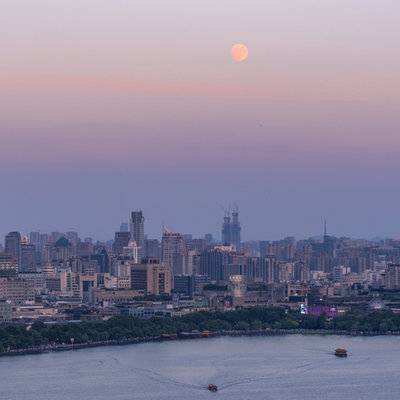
column 61, row 251
column 137, row 231
column 301, row 272
column 174, row 252
column 34, row 238
column 392, row 276
column 152, row 248
column 39, row 240
column 213, row 260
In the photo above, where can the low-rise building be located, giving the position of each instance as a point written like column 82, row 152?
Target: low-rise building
column 38, row 281
column 17, row 290
column 183, row 284
column 149, row 311
column 35, row 312
column 110, row 296
column 8, row 265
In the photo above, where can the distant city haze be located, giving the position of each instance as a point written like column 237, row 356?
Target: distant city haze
column 111, row 106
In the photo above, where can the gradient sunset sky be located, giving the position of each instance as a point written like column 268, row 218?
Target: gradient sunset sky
column 110, row 106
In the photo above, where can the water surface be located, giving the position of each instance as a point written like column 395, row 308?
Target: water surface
column 246, row 368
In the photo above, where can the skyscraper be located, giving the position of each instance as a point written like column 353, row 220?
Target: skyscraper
column 226, row 231
column 235, row 228
column 137, row 231
column 12, row 246
column 124, row 227
column 231, row 229
column 152, row 248
column 121, row 240
column 28, row 258
column 174, row 252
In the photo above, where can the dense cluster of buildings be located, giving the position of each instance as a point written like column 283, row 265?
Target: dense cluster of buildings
column 59, row 276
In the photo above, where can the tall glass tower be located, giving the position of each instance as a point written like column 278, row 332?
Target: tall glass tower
column 137, row 231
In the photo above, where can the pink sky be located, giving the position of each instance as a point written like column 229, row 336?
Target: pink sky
column 133, row 84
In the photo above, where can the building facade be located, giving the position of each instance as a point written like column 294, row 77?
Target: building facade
column 12, row 246
column 137, row 231
column 174, row 252
column 151, row 277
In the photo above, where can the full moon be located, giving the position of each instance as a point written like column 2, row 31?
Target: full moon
column 239, row 52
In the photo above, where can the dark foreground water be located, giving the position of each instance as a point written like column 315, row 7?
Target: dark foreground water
column 282, row 368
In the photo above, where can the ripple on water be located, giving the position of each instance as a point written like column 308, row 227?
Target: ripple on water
column 281, row 368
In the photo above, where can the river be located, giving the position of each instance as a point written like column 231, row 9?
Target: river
column 246, row 368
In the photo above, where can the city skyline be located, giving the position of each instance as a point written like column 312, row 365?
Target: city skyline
column 142, row 106
column 229, row 232
column 151, row 231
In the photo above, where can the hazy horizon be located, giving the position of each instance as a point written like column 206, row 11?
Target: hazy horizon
column 108, row 107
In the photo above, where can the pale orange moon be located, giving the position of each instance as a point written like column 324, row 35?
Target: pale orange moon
column 239, row 52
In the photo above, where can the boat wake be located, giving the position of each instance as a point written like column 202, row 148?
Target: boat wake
column 157, row 377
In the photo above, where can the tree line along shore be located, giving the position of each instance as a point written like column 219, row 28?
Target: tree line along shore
column 41, row 337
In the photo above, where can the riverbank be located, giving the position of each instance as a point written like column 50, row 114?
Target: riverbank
column 186, row 336
column 39, row 337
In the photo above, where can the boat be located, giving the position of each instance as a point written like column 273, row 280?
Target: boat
column 212, row 388
column 340, row 352
column 168, row 336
